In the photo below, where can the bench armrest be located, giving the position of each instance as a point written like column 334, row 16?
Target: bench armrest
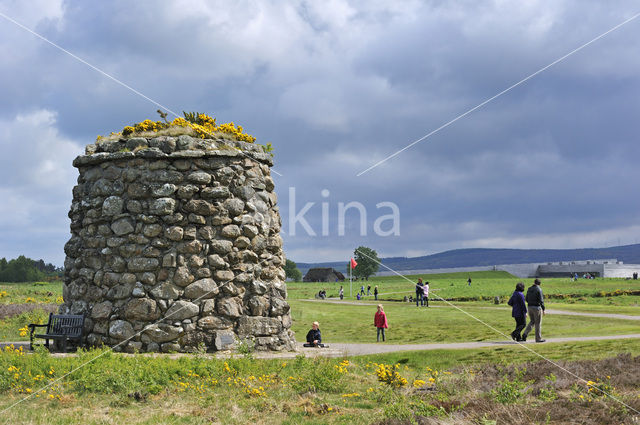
column 34, row 325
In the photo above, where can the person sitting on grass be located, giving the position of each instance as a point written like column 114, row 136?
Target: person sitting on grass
column 314, row 337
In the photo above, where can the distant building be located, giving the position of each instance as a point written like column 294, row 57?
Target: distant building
column 597, row 268
column 328, row 274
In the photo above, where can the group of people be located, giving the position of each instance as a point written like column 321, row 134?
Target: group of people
column 535, row 303
column 360, row 294
column 322, row 294
column 575, row 276
column 422, row 293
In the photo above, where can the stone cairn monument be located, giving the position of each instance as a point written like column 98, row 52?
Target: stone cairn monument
column 175, row 246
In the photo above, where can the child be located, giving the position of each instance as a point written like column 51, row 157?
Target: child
column 425, row 294
column 375, row 293
column 380, row 322
column 314, row 337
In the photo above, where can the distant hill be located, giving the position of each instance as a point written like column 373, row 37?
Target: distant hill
column 473, row 257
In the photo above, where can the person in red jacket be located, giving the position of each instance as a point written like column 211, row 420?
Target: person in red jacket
column 380, row 322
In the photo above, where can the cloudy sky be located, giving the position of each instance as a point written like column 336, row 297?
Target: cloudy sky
column 337, row 86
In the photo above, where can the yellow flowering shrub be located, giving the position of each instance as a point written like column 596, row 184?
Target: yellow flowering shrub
column 202, row 125
column 389, row 375
column 600, row 388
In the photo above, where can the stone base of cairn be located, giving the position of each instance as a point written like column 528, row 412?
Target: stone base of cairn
column 175, row 247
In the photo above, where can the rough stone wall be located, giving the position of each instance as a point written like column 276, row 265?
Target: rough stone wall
column 175, row 244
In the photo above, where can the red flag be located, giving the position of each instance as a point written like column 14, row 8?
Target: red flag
column 353, row 263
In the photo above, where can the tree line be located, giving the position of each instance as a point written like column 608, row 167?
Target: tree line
column 24, row 269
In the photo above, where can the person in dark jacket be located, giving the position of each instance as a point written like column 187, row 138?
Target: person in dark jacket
column 518, row 311
column 314, row 338
column 535, row 301
column 375, row 293
column 419, row 286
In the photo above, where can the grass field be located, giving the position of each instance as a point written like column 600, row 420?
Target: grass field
column 485, row 285
column 38, row 292
column 411, row 325
column 443, row 323
column 506, row 384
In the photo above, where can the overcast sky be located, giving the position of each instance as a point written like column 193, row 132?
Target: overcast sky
column 337, row 86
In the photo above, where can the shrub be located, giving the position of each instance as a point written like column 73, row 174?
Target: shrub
column 319, row 374
column 389, row 375
column 511, row 391
column 202, row 125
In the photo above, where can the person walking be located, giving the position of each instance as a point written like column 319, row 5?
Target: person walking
column 375, row 293
column 518, row 311
column 362, row 290
column 341, row 293
column 425, row 294
column 380, row 322
column 535, row 301
column 469, row 281
column 368, row 289
column 419, row 292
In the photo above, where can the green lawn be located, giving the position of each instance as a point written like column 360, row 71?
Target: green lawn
column 31, row 292
column 485, row 285
column 410, row 325
column 346, row 322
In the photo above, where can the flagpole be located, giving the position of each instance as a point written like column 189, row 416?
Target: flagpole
column 350, row 281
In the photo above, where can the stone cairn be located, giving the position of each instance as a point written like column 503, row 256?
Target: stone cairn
column 175, row 246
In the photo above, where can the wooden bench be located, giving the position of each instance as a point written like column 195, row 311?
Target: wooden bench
column 62, row 328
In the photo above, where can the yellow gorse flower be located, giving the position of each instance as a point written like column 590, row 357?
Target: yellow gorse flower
column 205, row 128
column 389, row 375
